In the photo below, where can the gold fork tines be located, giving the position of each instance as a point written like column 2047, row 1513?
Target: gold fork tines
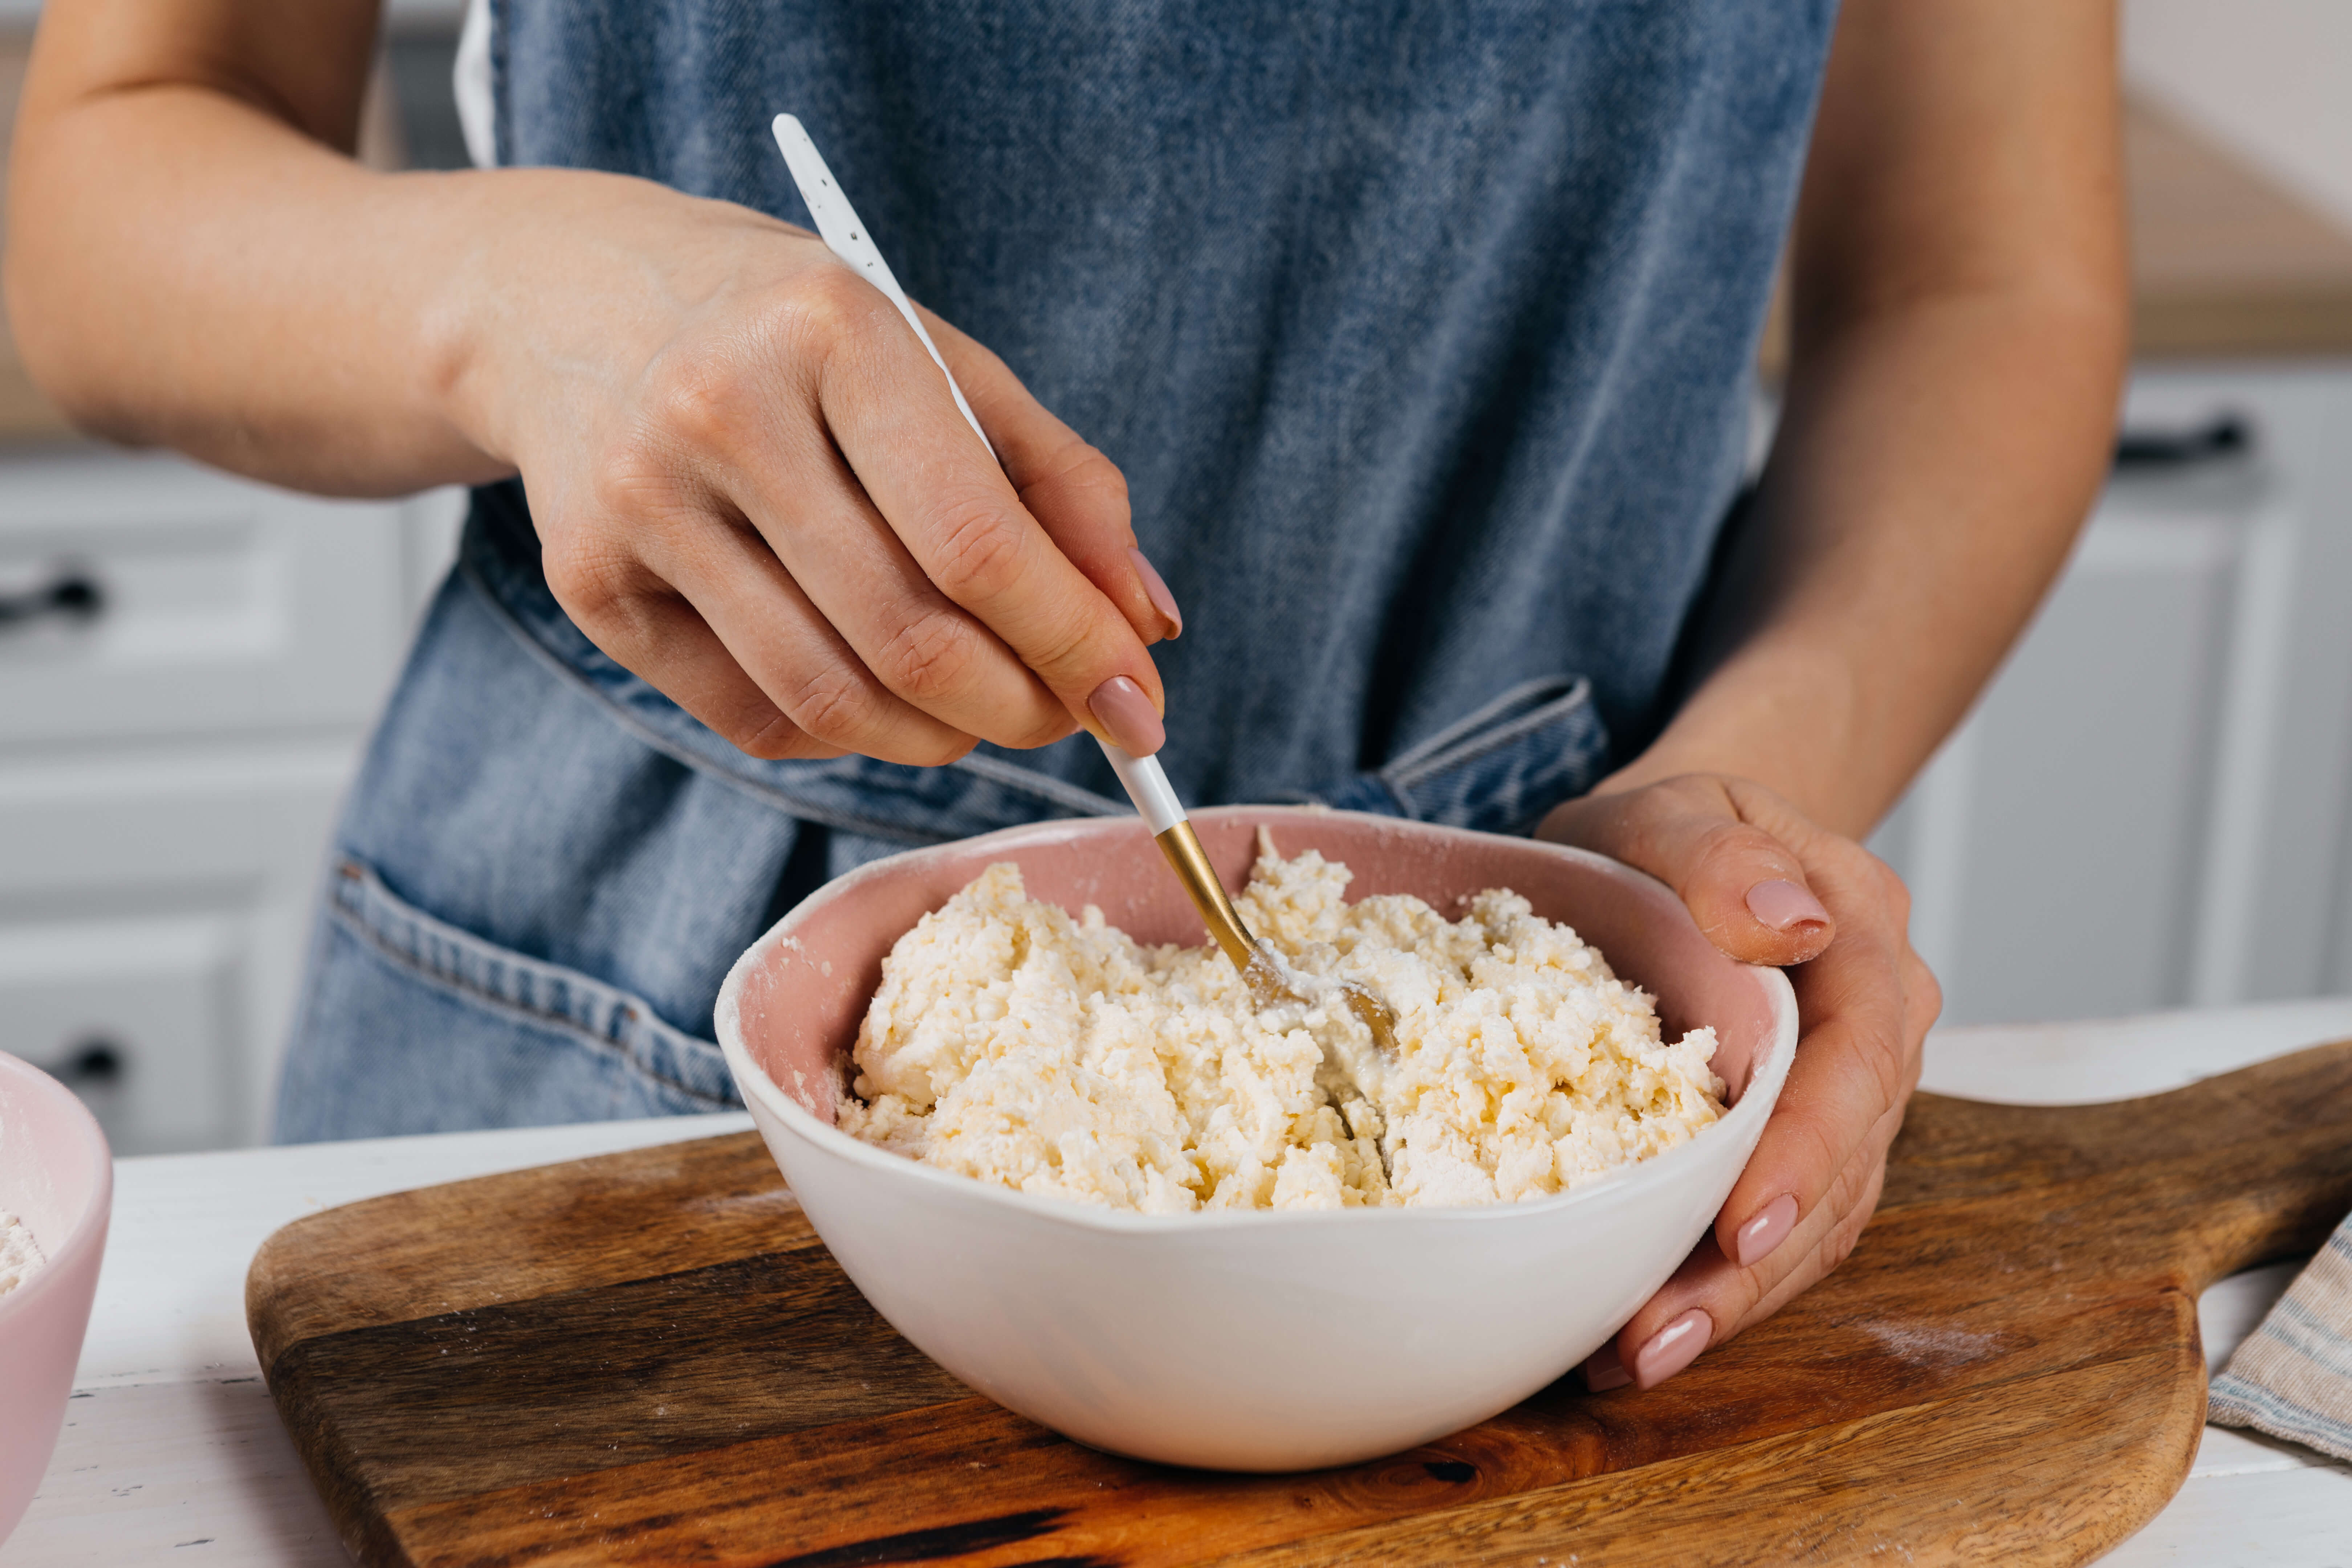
column 1190, row 861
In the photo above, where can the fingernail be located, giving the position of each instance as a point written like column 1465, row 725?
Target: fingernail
column 1757, row 1238
column 1156, row 588
column 1781, row 904
column 1604, row 1369
column 1673, row 1347
column 1120, row 706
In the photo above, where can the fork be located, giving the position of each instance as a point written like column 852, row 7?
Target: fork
column 1269, row 979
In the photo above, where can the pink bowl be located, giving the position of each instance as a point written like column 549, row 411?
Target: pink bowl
column 56, row 1176
column 1251, row 1341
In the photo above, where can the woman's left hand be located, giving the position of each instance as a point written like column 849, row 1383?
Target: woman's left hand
column 1770, row 887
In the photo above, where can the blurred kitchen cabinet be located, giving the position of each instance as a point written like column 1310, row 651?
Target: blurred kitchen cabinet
column 2149, row 808
column 161, row 600
column 188, row 665
column 140, row 1016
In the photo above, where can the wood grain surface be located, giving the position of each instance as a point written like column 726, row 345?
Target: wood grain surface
column 649, row 1358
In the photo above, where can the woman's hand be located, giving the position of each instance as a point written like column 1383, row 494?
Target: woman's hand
column 754, row 490
column 1947, row 420
column 750, row 482
column 1769, row 887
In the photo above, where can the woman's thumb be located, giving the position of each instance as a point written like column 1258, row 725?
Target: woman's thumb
column 1746, row 888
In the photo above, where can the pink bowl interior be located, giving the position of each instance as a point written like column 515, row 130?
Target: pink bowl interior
column 808, row 983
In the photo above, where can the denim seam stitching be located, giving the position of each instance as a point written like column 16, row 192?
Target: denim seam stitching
column 1005, row 774
column 1014, row 777
column 766, row 794
column 363, row 924
column 1407, row 806
column 1407, row 771
column 1464, row 728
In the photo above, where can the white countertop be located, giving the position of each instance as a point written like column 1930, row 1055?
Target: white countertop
column 172, row 1451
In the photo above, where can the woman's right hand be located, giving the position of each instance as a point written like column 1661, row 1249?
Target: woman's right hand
column 750, row 484
column 753, row 489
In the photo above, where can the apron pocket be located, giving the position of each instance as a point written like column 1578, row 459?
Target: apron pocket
column 1497, row 770
column 414, row 1026
column 889, row 802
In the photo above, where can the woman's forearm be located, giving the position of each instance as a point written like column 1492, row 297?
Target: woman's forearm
column 1960, row 321
column 749, row 486
column 1931, row 471
column 193, row 262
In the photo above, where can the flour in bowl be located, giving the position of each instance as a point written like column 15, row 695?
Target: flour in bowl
column 20, row 1255
column 1014, row 1044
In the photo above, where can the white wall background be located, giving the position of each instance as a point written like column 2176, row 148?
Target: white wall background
column 2271, row 79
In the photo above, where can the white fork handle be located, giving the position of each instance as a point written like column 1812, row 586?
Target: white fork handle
column 846, row 237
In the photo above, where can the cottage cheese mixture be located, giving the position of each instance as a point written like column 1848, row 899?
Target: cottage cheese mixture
column 20, row 1255
column 1017, row 1044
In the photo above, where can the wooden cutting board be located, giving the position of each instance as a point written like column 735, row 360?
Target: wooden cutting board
column 649, row 1358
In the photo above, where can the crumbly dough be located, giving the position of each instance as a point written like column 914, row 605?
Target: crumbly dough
column 20, row 1255
column 1017, row 1044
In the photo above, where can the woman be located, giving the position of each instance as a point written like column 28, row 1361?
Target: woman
column 1414, row 348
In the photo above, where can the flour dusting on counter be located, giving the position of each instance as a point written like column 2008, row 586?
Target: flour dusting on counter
column 1015, row 1044
column 20, row 1255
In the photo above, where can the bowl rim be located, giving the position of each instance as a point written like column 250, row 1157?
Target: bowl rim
column 88, row 1230
column 1769, row 1075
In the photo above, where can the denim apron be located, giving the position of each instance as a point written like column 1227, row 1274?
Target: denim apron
column 1421, row 332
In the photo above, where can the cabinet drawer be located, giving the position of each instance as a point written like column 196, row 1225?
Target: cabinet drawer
column 149, row 829
column 148, row 597
column 136, row 1017
column 155, row 903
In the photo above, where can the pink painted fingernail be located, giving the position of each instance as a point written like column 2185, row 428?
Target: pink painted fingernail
column 1120, row 706
column 1604, row 1369
column 1782, row 904
column 1673, row 1347
column 1155, row 587
column 1770, row 1227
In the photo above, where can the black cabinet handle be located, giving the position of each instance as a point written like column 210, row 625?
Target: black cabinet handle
column 93, row 1063
column 2223, row 435
column 72, row 595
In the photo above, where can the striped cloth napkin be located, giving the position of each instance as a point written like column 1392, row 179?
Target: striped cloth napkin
column 2292, row 1378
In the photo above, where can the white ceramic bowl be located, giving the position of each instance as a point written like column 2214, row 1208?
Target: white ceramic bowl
column 56, row 1177
column 1245, row 1342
